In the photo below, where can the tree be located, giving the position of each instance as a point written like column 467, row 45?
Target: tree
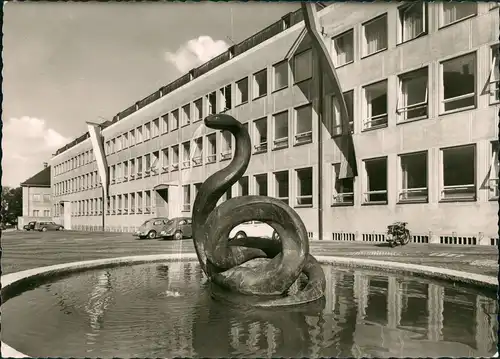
column 12, row 204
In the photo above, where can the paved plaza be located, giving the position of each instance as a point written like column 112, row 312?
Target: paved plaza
column 26, row 250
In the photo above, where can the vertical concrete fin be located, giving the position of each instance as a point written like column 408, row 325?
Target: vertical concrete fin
column 98, row 147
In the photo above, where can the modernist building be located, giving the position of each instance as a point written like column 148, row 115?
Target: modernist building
column 37, row 201
column 422, row 86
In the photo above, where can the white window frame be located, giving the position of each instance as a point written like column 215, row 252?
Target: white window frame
column 186, row 202
column 211, row 151
column 155, row 127
column 132, row 138
column 195, row 158
column 402, row 111
column 276, row 186
column 443, row 188
column 155, row 160
column 364, row 52
column 147, row 206
column 493, row 180
column 297, row 188
column 340, row 198
column 185, row 116
column 175, row 165
column 259, row 145
column 139, row 135
column 443, row 101
column 282, row 142
column 200, row 110
column 494, row 76
column 309, row 53
column 256, row 182
column 441, row 15
column 186, row 162
column 255, row 88
column 223, row 95
column 336, row 53
column 239, row 97
column 147, row 131
column 211, row 109
column 403, row 192
column 174, row 120
column 365, row 182
column 165, row 159
column 401, row 25
column 367, row 118
column 305, row 137
column 276, row 65
column 226, row 146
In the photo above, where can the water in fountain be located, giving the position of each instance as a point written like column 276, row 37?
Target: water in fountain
column 364, row 314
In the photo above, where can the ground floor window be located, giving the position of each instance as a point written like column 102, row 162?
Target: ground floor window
column 186, row 193
column 304, row 195
column 375, row 183
column 458, row 173
column 493, row 173
column 413, row 177
column 343, row 189
column 282, row 186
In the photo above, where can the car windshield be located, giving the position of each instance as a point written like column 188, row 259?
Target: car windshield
column 170, row 222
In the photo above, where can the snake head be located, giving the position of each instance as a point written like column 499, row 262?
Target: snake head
column 222, row 121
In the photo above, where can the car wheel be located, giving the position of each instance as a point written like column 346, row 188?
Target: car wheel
column 44, row 229
column 240, row 235
column 60, row 229
column 152, row 234
column 178, row 235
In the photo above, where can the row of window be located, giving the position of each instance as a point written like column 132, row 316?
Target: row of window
column 36, row 213
column 77, row 161
column 76, row 184
column 412, row 23
column 458, row 182
column 37, row 197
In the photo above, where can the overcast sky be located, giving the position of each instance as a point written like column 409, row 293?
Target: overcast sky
column 67, row 63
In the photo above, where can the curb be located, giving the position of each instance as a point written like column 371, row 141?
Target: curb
column 14, row 280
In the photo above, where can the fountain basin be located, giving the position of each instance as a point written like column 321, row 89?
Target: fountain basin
column 358, row 329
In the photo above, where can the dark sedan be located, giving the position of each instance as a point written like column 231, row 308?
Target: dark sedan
column 30, row 226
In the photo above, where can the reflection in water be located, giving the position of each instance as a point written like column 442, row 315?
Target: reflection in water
column 364, row 314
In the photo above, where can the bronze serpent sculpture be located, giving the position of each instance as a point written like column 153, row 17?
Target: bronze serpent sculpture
column 258, row 268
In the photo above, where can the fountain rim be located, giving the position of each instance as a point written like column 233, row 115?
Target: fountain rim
column 12, row 279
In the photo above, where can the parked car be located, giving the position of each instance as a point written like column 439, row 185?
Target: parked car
column 252, row 229
column 177, row 228
column 47, row 226
column 29, row 226
column 151, row 228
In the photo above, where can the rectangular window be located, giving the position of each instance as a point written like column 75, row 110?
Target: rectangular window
column 459, row 169
column 412, row 21
column 303, row 124
column 343, row 48
column 493, row 173
column 225, row 96
column 211, row 148
column 494, row 78
column 132, row 137
column 198, row 152
column 174, row 117
column 118, row 144
column 132, row 169
column 147, row 131
column 36, row 213
column 261, row 184
column 155, row 159
column 455, row 11
column 375, row 186
column 139, row 167
column 36, row 198
column 243, row 186
column 212, row 103
column 113, row 150
column 280, row 75
column 413, row 177
column 138, row 134
column 164, row 123
column 125, row 171
column 164, row 160
column 198, row 110
column 113, row 176
column 375, row 35
column 260, row 84
column 260, row 135
column 46, row 213
column 147, row 164
column 155, row 130
column 458, row 83
column 186, row 204
column 119, row 204
column 147, row 196
column 186, row 152
column 186, row 115
column 125, row 140
column 342, row 189
column 139, row 202
column 118, row 174
column 336, row 125
column 125, row 204
column 227, row 149
column 46, row 197
column 242, row 91
column 375, row 113
column 132, row 203
column 413, row 100
column 175, row 157
column 304, row 187
column 281, row 183
column 280, row 130
column 302, row 66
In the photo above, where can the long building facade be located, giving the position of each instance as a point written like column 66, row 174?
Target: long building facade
column 421, row 82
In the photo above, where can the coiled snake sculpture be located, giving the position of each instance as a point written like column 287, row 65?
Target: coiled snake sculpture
column 261, row 270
